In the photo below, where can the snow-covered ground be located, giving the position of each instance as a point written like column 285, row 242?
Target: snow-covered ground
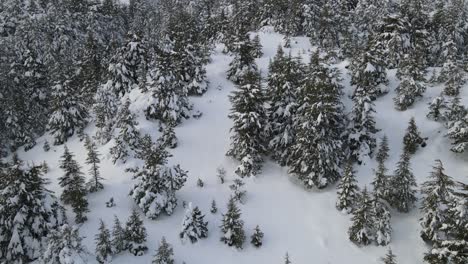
column 303, row 223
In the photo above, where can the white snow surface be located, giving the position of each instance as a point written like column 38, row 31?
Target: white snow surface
column 303, row 223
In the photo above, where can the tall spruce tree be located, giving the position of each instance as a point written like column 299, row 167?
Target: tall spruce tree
column 348, row 190
column 119, row 242
column 103, row 244
column 243, row 61
column 135, row 234
column 105, row 106
column 64, row 246
column 389, row 258
column 127, row 140
column 411, row 86
column 317, row 153
column 74, row 186
column 402, row 184
column 249, row 116
column 232, row 226
column 362, row 229
column 412, row 139
column 382, row 217
column 193, row 226
column 164, row 254
column 28, row 212
column 381, row 182
column 92, row 158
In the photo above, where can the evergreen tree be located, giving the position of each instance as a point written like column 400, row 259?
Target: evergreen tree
column 249, row 115
column 436, row 193
column 214, row 208
column 412, row 138
column 73, row 184
column 156, row 183
column 128, row 137
column 68, row 115
column 105, row 106
column 164, row 254
column 257, row 237
column 243, row 62
column 168, row 138
column 389, row 258
column 284, row 78
column 382, row 217
column 28, row 212
column 92, row 159
column 402, row 184
column 458, row 133
column 411, row 87
column 454, row 112
column 64, row 247
column 362, row 229
column 193, row 226
column 381, row 181
column 286, row 259
column 232, row 226
column 348, row 190
column 119, row 242
column 436, row 108
column 317, row 152
column 103, row 244
column 238, row 192
column 257, row 47
column 135, row 234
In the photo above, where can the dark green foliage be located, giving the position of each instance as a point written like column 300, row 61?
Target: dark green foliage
column 74, row 186
column 194, row 226
column 232, row 226
column 119, row 242
column 257, row 237
column 381, row 181
column 214, row 208
column 64, row 243
column 128, row 136
column 402, row 185
column 164, row 254
column 103, row 244
column 135, row 235
column 389, row 258
column 243, row 62
column 93, row 160
column 412, row 139
column 362, row 230
column 348, row 191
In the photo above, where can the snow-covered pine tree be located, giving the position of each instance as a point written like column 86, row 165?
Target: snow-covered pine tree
column 105, row 106
column 382, row 216
column 284, row 78
column 64, row 246
column 119, row 240
column 452, row 71
column 362, row 128
column 437, row 108
column 127, row 140
column 168, row 102
column 458, row 133
column 412, row 139
column 257, row 47
column 92, row 159
column 362, row 229
column 389, row 258
column 103, row 244
column 232, row 226
column 402, row 184
column 194, row 226
column 348, row 191
column 436, row 192
column 68, row 113
column 243, row 61
column 73, row 183
column 381, row 181
column 156, row 183
column 164, row 254
column 200, row 183
column 248, row 133
column 257, row 237
column 317, row 152
column 238, row 192
column 46, row 146
column 221, row 173
column 28, row 212
column 168, row 138
column 454, row 112
column 411, row 77
column 135, row 234
column 214, row 208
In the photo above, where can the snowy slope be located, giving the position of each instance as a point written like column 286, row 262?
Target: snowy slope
column 304, row 223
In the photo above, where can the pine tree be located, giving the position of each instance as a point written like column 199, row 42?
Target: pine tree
column 317, row 152
column 436, row 108
column 221, row 173
column 28, row 212
column 129, row 135
column 193, row 226
column 284, row 78
column 135, row 234
column 257, row 237
column 458, row 133
column 436, row 193
column 73, row 184
column 238, row 192
column 119, row 242
column 232, row 226
column 243, row 61
column 68, row 115
column 348, row 190
column 257, row 47
column 164, row 254
column 92, row 159
column 402, row 184
column 103, row 244
column 64, row 247
column 214, row 208
column 286, row 259
column 382, row 216
column 454, row 112
column 46, row 146
column 362, row 229
column 411, row 87
column 168, row 138
column 156, row 184
column 412, row 138
column 381, row 181
column 249, row 116
column 389, row 258
column 105, row 106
